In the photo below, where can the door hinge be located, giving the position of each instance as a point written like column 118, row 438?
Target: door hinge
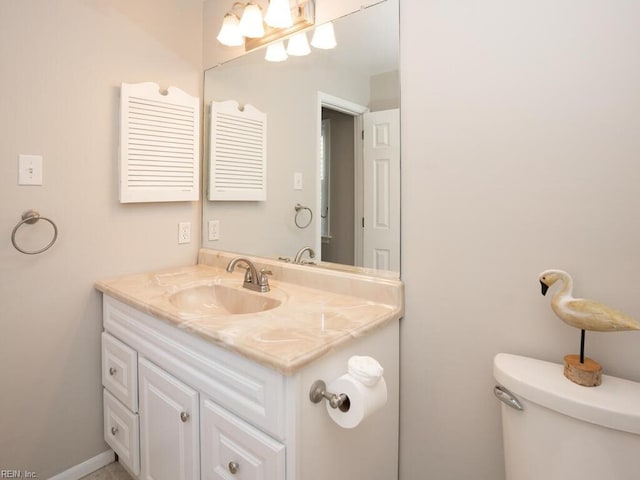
column 362, row 134
column 362, row 222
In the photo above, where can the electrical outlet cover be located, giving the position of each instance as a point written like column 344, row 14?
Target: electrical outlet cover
column 214, row 230
column 184, row 232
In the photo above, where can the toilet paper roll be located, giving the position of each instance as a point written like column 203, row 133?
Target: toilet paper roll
column 363, row 400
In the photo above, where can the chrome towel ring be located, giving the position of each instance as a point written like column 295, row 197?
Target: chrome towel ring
column 31, row 217
column 299, row 208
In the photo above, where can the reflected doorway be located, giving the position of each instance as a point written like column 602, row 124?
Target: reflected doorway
column 359, row 190
column 337, row 181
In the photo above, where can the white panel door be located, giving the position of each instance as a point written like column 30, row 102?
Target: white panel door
column 381, row 151
column 169, row 426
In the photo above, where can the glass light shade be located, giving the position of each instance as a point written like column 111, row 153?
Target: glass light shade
column 279, row 14
column 298, row 45
column 230, row 31
column 276, row 52
column 324, row 37
column 251, row 22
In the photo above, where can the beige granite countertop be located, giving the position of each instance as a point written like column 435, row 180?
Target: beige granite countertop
column 319, row 309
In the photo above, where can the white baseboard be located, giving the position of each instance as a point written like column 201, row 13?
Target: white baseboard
column 85, row 468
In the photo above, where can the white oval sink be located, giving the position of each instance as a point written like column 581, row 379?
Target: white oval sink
column 220, row 299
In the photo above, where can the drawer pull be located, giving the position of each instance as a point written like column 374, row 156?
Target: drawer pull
column 184, row 416
column 233, row 467
column 114, row 430
column 112, row 371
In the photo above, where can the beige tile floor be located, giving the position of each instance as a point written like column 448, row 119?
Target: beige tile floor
column 113, row 471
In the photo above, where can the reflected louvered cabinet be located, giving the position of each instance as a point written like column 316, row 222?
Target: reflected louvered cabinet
column 159, row 144
column 237, row 152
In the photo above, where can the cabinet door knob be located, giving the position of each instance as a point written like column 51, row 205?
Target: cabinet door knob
column 233, row 467
column 112, row 371
column 184, row 416
column 114, row 430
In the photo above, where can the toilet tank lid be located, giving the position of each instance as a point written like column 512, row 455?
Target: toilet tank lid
column 614, row 404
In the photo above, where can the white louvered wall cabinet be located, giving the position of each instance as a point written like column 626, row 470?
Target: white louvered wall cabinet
column 159, row 144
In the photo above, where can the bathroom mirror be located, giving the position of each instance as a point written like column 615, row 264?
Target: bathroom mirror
column 316, row 108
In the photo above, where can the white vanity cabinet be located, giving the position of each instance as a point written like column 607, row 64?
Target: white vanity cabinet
column 164, row 395
column 178, row 406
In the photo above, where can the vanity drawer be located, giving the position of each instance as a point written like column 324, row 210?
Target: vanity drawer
column 122, row 432
column 231, row 448
column 120, row 371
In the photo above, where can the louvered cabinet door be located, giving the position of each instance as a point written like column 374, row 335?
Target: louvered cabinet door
column 169, row 426
column 159, row 144
column 238, row 152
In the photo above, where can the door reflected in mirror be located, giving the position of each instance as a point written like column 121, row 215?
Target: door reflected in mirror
column 330, row 141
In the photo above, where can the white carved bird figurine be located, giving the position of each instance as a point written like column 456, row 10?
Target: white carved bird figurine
column 581, row 313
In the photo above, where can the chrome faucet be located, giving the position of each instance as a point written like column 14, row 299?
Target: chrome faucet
column 253, row 280
column 298, row 258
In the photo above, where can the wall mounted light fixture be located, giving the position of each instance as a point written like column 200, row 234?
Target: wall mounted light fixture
column 244, row 24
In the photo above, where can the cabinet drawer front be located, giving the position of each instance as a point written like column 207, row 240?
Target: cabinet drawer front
column 121, row 432
column 120, row 371
column 232, row 448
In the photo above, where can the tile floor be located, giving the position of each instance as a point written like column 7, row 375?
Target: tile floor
column 113, row 471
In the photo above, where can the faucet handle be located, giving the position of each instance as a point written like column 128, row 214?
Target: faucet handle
column 264, row 281
column 264, row 271
column 248, row 278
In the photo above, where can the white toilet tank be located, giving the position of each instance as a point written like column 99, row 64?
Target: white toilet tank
column 565, row 431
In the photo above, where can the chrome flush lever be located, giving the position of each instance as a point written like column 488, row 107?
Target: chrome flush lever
column 506, row 397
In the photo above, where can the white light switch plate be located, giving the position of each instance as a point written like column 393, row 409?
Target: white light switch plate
column 29, row 169
column 297, row 181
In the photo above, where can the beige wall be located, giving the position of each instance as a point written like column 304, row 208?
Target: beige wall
column 61, row 66
column 519, row 153
column 385, row 91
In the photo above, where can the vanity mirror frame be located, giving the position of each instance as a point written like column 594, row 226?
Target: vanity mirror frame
column 267, row 228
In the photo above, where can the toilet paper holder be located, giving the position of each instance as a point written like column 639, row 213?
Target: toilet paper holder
column 336, row 400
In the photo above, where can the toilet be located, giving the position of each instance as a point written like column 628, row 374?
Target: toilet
column 554, row 429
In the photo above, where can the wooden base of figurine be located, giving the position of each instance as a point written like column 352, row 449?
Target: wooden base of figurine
column 587, row 374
